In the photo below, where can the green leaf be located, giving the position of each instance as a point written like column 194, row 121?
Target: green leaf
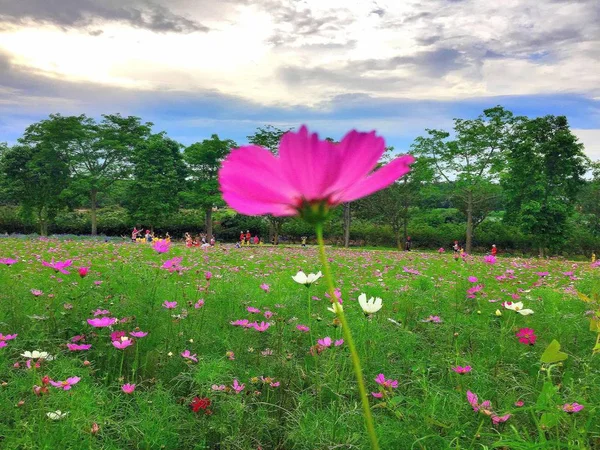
column 549, row 420
column 552, row 354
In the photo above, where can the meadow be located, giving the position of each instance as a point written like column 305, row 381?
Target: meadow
column 219, row 348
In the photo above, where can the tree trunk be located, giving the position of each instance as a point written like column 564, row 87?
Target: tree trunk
column 93, row 201
column 347, row 220
column 541, row 251
column 398, row 240
column 43, row 223
column 208, row 223
column 276, row 233
column 469, row 243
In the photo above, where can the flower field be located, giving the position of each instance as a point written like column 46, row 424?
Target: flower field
column 127, row 346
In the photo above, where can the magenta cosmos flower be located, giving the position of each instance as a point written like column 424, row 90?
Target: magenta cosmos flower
column 123, row 343
column 128, row 388
column 526, row 336
column 572, row 407
column 83, row 271
column 67, row 384
column 78, row 347
column 462, row 370
column 8, row 261
column 102, row 322
column 161, row 246
column 389, row 384
column 59, row 266
column 308, row 172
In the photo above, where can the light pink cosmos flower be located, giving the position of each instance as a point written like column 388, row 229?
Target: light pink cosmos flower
column 472, row 279
column 265, row 287
column 188, row 355
column 572, row 407
column 101, row 312
column 169, row 305
column 65, row 385
column 237, row 387
column 138, row 334
column 36, row 292
column 78, row 347
column 173, row 264
column 3, row 344
column 338, row 342
column 377, row 394
column 268, row 314
column 128, row 388
column 307, row 171
column 388, row 384
column 489, row 259
column 325, row 342
column 199, row 304
column 462, row 370
column 218, row 387
column 102, row 322
column 208, row 275
column 441, row 250
column 303, row 328
column 253, row 310
column 8, row 261
column 59, row 266
column 240, row 323
column 474, row 402
column 519, row 403
column 123, row 343
column 161, row 246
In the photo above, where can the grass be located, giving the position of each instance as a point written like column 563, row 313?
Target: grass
column 311, row 400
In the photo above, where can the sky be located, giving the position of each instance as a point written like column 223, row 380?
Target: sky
column 200, row 67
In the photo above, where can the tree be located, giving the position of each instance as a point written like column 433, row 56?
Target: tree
column 544, row 174
column 472, row 158
column 269, row 138
column 589, row 200
column 35, row 177
column 393, row 206
column 203, row 160
column 158, row 175
column 97, row 154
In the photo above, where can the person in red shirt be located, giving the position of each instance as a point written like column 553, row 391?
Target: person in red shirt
column 494, row 250
column 242, row 238
column 248, row 237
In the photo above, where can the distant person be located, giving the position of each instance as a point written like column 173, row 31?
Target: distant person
column 134, row 234
column 248, row 237
column 407, row 244
column 212, row 241
column 148, row 236
column 256, row 240
column 303, row 241
column 242, row 238
column 494, row 250
column 593, row 257
column 456, row 247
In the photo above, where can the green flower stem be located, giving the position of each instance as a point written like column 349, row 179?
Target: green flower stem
column 349, row 340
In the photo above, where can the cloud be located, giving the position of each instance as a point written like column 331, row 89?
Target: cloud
column 82, row 13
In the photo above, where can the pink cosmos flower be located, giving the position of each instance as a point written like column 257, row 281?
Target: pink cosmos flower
column 519, row 403
column 377, row 394
column 36, row 292
column 237, row 387
column 173, row 264
column 303, row 328
column 240, row 323
column 59, row 266
column 98, row 282
column 474, row 402
column 8, row 337
column 188, row 355
column 161, row 246
column 78, row 347
column 472, row 279
column 77, row 338
column 169, row 305
column 217, row 387
column 434, row 319
column 8, row 261
column 199, row 304
column 83, row 271
column 462, row 370
column 263, row 326
column 3, row 344
column 102, row 322
column 117, row 335
column 265, row 287
column 123, row 343
column 338, row 342
column 388, row 384
column 526, row 336
column 128, row 388
column 101, row 312
column 325, row 342
column 572, row 407
column 500, row 419
column 308, row 171
column 489, row 259
column 252, row 310
column 65, row 385
column 268, row 314
column 208, row 275
column 138, row 334
column 441, row 250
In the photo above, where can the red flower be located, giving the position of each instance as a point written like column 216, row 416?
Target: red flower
column 199, row 403
column 526, row 336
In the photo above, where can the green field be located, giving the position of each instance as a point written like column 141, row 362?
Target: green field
column 292, row 397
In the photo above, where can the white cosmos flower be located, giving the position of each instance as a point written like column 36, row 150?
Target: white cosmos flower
column 370, row 306
column 57, row 415
column 36, row 354
column 306, row 280
column 336, row 307
column 518, row 307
